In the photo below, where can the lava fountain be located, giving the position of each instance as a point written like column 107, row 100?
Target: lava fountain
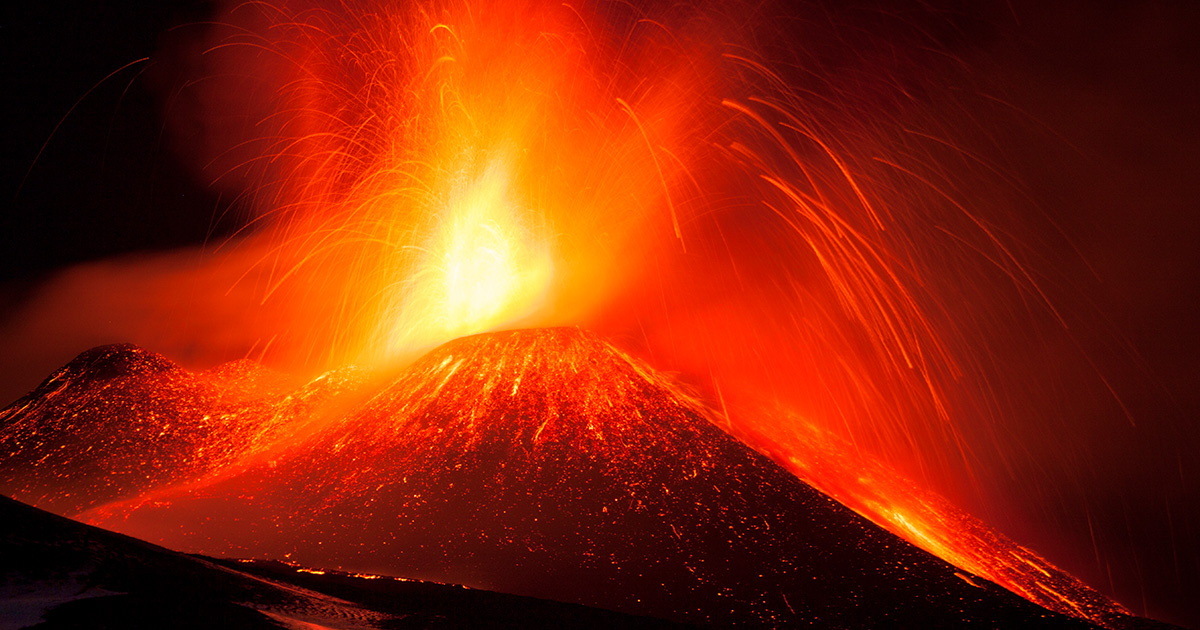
column 785, row 234
column 435, row 171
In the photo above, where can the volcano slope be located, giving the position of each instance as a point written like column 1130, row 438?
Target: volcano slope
column 114, row 422
column 548, row 463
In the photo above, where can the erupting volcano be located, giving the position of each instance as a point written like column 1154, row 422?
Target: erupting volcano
column 692, row 312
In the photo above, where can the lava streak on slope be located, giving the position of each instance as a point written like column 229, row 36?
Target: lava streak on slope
column 547, row 463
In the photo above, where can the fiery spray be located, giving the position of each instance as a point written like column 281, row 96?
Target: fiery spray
column 442, row 170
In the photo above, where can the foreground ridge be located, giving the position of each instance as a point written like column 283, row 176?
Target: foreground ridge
column 69, row 575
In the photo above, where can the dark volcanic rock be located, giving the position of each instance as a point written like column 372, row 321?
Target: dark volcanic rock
column 75, row 576
column 548, row 463
column 88, row 577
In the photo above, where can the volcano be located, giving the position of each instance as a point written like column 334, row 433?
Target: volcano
column 544, row 463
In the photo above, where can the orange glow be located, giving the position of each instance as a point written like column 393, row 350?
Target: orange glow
column 454, row 168
column 430, row 171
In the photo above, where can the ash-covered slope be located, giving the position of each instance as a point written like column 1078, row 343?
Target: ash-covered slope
column 118, row 420
column 69, row 575
column 548, row 463
column 59, row 574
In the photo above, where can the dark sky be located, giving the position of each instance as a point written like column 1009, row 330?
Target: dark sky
column 1106, row 148
column 1111, row 86
column 105, row 183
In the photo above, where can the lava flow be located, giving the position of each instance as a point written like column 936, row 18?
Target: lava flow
column 778, row 232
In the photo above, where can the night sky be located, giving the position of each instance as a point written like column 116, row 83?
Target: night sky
column 1104, row 146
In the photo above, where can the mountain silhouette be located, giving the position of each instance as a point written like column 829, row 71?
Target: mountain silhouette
column 58, row 574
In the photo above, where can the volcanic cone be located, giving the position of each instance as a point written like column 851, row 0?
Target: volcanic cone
column 549, row 463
